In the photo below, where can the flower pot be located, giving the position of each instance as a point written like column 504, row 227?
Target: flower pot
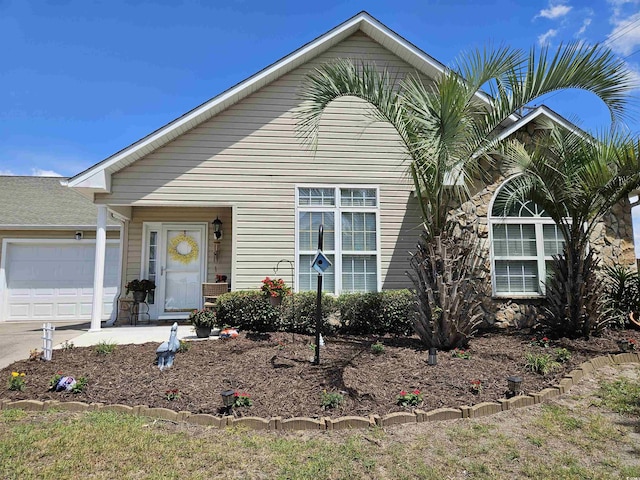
column 139, row 296
column 203, row 332
column 275, row 301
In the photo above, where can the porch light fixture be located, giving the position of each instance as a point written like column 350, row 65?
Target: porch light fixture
column 217, row 229
column 515, row 385
column 78, row 235
column 228, row 399
column 433, row 357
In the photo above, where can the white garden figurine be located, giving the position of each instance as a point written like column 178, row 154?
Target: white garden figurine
column 167, row 350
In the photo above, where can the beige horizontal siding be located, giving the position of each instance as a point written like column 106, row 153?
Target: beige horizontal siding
column 250, row 157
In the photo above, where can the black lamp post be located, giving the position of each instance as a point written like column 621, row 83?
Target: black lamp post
column 228, row 399
column 515, row 385
column 433, row 356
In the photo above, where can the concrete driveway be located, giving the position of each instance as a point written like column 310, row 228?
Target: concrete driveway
column 17, row 339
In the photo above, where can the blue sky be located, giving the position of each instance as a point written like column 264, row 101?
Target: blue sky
column 83, row 79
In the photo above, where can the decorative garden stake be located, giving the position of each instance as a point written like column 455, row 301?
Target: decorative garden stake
column 320, row 263
column 47, row 341
column 515, row 386
column 433, row 356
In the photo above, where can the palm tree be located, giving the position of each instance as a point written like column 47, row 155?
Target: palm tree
column 576, row 179
column 446, row 128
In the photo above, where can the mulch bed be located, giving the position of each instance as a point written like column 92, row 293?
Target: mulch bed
column 275, row 370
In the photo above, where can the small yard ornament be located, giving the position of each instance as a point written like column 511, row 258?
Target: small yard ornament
column 65, row 384
column 167, row 350
column 229, row 333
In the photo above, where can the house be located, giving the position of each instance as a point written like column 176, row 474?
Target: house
column 48, row 237
column 236, row 160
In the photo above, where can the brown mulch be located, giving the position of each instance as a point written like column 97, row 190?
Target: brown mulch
column 275, row 370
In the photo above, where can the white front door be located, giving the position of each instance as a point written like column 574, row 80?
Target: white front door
column 182, row 269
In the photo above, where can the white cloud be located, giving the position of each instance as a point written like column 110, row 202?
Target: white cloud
column 545, row 37
column 6, row 172
column 554, row 11
column 38, row 172
column 625, row 36
column 583, row 28
column 618, row 7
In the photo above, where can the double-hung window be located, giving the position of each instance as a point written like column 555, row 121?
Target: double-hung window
column 523, row 242
column 349, row 216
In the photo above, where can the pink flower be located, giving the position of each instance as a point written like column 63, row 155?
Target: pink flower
column 416, row 392
column 402, row 393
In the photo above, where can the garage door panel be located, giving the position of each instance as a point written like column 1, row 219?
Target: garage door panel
column 18, row 311
column 43, row 310
column 50, row 282
column 43, row 292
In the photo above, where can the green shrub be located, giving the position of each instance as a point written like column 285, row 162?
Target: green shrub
column 298, row 313
column 562, row 355
column 541, row 363
column 331, row 400
column 621, row 293
column 105, row 348
column 377, row 348
column 378, row 313
column 247, row 310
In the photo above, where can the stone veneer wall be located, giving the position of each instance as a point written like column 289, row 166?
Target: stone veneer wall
column 612, row 240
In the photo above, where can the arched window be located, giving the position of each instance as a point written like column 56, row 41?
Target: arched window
column 523, row 241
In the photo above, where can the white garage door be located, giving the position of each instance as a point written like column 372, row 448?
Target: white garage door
column 54, row 281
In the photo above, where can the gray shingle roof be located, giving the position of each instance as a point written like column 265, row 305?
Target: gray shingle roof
column 42, row 201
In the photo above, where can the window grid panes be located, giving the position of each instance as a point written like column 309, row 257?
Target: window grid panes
column 358, row 231
column 350, row 238
column 553, row 240
column 523, row 241
column 316, row 197
column 514, row 240
column 308, row 277
column 359, row 273
column 517, row 277
column 308, row 224
column 358, row 197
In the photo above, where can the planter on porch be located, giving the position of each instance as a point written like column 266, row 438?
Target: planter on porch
column 203, row 332
column 139, row 296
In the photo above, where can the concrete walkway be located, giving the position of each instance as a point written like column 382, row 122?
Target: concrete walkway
column 17, row 339
column 129, row 334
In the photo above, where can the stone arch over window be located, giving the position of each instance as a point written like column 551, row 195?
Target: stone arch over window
column 523, row 241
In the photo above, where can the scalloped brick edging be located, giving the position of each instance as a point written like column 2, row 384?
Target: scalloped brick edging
column 340, row 423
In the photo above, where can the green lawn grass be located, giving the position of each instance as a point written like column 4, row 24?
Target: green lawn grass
column 580, row 439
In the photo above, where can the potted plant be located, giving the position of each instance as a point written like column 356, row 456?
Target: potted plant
column 275, row 289
column 203, row 321
column 140, row 288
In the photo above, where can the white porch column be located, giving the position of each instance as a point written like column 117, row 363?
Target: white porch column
column 98, row 272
